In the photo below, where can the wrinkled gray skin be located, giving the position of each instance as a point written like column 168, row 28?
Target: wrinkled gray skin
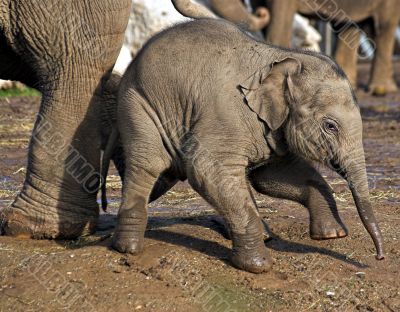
column 343, row 14
column 66, row 50
column 224, row 111
column 108, row 119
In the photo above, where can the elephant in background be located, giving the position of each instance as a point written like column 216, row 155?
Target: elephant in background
column 242, row 112
column 344, row 15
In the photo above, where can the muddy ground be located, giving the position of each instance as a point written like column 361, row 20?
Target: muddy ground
column 185, row 265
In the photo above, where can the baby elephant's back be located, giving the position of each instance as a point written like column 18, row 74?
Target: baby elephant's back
column 177, row 61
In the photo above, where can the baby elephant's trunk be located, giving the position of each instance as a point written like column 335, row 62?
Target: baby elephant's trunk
column 357, row 179
column 353, row 169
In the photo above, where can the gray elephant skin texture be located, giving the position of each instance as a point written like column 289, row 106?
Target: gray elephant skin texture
column 66, row 50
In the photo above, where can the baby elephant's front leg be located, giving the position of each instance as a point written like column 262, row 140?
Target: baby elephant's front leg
column 248, row 250
column 226, row 189
column 294, row 179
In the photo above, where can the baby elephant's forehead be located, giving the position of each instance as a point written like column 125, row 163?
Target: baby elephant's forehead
column 335, row 93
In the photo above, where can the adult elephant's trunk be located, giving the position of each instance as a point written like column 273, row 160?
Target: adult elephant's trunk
column 192, row 9
column 354, row 171
column 236, row 12
column 231, row 10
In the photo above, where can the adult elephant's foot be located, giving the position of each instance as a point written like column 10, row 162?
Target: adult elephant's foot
column 320, row 230
column 36, row 215
column 250, row 254
column 381, row 88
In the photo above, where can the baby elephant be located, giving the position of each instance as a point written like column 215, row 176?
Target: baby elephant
column 203, row 101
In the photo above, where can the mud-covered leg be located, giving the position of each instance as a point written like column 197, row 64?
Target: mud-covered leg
column 294, row 179
column 225, row 188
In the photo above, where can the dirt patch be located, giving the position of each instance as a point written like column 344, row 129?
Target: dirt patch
column 185, row 264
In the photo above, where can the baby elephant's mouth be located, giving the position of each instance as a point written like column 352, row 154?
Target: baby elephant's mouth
column 338, row 168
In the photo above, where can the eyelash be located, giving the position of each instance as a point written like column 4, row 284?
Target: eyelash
column 330, row 126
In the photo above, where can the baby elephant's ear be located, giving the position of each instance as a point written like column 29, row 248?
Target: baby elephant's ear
column 267, row 91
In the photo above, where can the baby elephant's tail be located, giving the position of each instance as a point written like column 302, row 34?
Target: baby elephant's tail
column 105, row 164
column 190, row 8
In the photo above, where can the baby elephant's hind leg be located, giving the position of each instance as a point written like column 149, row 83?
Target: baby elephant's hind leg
column 146, row 159
column 132, row 215
column 294, row 179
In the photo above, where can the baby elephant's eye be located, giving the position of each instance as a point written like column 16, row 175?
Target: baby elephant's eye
column 330, row 126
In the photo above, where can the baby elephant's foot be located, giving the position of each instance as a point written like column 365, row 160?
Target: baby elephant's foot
column 127, row 244
column 252, row 261
column 251, row 257
column 327, row 230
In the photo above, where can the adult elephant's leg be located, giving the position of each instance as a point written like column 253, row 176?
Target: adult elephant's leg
column 382, row 66
column 294, row 179
column 225, row 187
column 279, row 30
column 54, row 200
column 58, row 198
column 346, row 53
